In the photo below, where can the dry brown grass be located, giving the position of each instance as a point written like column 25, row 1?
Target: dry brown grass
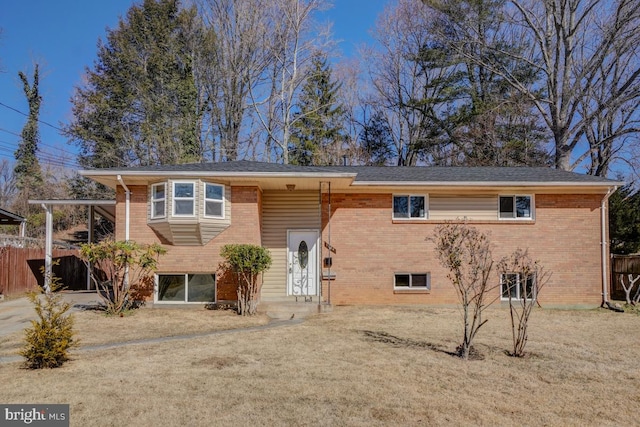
column 94, row 328
column 355, row 366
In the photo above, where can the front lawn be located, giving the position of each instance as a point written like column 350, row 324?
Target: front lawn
column 354, row 366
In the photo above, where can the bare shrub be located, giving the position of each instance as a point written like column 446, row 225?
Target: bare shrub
column 466, row 253
column 522, row 277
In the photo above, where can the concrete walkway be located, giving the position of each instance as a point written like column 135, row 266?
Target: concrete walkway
column 15, row 315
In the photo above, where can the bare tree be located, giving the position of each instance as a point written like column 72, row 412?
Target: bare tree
column 522, row 278
column 354, row 107
column 294, row 38
column 585, row 57
column 398, row 79
column 628, row 288
column 8, row 185
column 237, row 48
column 465, row 252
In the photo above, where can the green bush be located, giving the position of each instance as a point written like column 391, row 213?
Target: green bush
column 247, row 262
column 122, row 271
column 50, row 337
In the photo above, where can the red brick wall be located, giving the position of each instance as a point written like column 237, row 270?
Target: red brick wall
column 370, row 248
column 245, row 228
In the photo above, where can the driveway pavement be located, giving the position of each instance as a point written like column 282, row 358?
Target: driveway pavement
column 16, row 314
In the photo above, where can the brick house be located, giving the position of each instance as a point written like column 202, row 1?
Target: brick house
column 358, row 234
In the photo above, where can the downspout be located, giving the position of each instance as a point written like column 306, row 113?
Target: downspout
column 329, row 242
column 604, row 244
column 320, row 262
column 127, row 207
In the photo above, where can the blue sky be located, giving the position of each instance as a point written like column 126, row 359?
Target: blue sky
column 61, row 36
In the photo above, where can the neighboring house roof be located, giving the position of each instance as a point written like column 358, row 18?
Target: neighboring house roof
column 9, row 218
column 366, row 175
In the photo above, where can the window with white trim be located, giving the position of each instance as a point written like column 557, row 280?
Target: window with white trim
column 514, row 286
column 516, row 207
column 412, row 281
column 409, row 206
column 184, row 198
column 178, row 288
column 213, row 200
column 158, row 200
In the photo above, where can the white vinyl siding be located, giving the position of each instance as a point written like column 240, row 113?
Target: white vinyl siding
column 197, row 228
column 463, row 207
column 282, row 211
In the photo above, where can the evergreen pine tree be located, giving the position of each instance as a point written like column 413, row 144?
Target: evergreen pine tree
column 317, row 132
column 138, row 106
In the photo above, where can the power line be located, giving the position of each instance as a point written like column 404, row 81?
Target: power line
column 26, row 115
column 40, row 143
column 49, row 158
column 9, row 132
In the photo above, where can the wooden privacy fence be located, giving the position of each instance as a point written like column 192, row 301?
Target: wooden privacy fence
column 622, row 265
column 20, row 269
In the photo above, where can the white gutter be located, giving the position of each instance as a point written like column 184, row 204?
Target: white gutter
column 477, row 184
column 127, row 207
column 91, row 173
column 604, row 243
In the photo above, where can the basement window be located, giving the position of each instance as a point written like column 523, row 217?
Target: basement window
column 412, row 281
column 186, row 288
column 514, row 286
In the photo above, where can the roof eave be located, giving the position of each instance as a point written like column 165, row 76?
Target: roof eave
column 487, row 184
column 222, row 174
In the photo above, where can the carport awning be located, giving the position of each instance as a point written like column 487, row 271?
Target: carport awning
column 106, row 208
column 9, row 218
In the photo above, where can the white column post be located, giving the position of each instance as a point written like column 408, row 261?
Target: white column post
column 48, row 257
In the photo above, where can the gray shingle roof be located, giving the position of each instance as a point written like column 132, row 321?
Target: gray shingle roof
column 382, row 174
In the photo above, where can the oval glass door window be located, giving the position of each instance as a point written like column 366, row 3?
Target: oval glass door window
column 303, row 254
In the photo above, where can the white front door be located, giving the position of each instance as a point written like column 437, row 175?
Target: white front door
column 303, row 262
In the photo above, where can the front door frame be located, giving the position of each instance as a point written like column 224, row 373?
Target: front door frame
column 315, row 261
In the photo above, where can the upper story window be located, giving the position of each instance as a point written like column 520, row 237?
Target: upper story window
column 516, row 207
column 158, row 200
column 184, row 198
column 409, row 207
column 213, row 200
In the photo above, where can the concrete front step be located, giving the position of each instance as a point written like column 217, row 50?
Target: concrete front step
column 288, row 309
